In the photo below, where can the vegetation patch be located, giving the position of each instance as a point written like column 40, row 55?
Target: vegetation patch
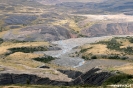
column 44, row 59
column 28, row 49
column 112, row 44
column 120, row 48
column 119, row 79
column 84, row 50
column 1, row 41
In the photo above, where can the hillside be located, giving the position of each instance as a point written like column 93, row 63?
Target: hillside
column 16, row 16
column 53, row 2
column 118, row 48
column 66, row 43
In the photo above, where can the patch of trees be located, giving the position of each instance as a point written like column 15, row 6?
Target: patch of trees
column 117, row 57
column 1, row 40
column 44, row 59
column 113, row 56
column 28, row 49
column 84, row 50
column 89, row 58
column 113, row 44
column 131, row 40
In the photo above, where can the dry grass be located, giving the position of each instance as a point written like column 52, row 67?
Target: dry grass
column 98, row 49
column 128, row 68
column 74, row 26
column 2, row 33
column 101, row 49
column 20, row 61
column 60, row 22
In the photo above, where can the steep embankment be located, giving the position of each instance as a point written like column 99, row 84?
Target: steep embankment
column 99, row 78
column 104, row 25
column 39, row 33
column 109, row 29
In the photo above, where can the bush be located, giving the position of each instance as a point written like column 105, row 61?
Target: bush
column 85, row 57
column 131, row 40
column 84, row 50
column 94, row 57
column 27, row 49
column 128, row 50
column 1, row 41
column 112, row 44
column 113, row 57
column 44, row 59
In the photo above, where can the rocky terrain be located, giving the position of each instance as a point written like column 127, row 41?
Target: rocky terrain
column 99, row 78
column 18, row 16
column 49, row 42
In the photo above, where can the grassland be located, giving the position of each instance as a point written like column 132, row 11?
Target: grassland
column 19, row 60
column 45, row 86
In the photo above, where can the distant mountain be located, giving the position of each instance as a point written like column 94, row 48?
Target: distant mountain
column 105, row 6
column 51, row 2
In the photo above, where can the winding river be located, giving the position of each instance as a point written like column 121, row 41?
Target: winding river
column 67, row 47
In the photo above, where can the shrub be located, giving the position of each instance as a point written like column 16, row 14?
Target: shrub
column 131, row 40
column 113, row 57
column 85, row 57
column 27, row 49
column 84, row 50
column 128, row 50
column 44, row 59
column 112, row 44
column 1, row 41
column 94, row 57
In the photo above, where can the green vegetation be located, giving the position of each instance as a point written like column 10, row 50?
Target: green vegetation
column 94, row 57
column 44, row 59
column 128, row 50
column 84, row 50
column 119, row 79
column 28, row 49
column 17, row 41
column 81, row 35
column 112, row 44
column 88, row 58
column 85, row 57
column 116, row 57
column 1, row 41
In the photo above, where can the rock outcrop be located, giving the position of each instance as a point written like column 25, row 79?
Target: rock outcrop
column 94, row 77
column 7, row 78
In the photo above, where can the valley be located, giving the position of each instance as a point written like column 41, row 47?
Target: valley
column 59, row 43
